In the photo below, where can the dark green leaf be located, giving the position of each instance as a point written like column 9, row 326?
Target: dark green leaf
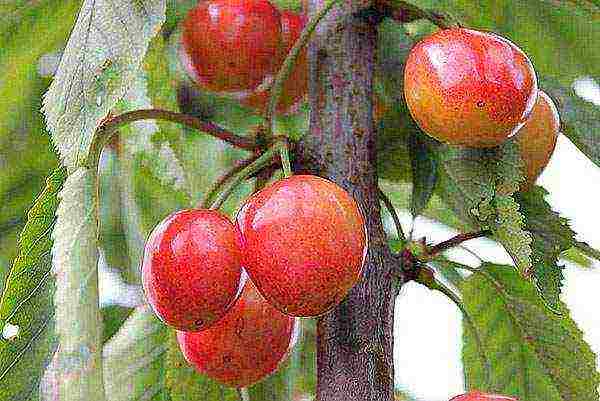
column 551, row 236
column 27, row 300
column 535, row 355
column 424, row 171
column 579, row 119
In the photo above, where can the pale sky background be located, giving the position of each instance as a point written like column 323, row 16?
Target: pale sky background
column 434, row 372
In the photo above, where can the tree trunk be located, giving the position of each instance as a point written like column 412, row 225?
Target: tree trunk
column 355, row 341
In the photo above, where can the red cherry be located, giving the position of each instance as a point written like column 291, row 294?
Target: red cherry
column 296, row 86
column 537, row 138
column 469, row 88
column 304, row 243
column 245, row 346
column 191, row 271
column 231, row 45
column 480, row 396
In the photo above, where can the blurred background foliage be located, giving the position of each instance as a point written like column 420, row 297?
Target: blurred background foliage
column 561, row 39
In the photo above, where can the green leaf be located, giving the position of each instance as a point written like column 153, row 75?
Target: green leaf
column 478, row 185
column 551, row 237
column 579, row 119
column 134, row 359
column 535, row 355
column 424, row 171
column 27, row 300
column 588, row 250
column 103, row 54
column 27, row 31
column 77, row 313
column 509, row 230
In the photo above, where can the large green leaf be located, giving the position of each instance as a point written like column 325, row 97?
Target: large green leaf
column 102, row 56
column 535, row 355
column 27, row 300
column 77, row 313
column 27, row 31
column 478, row 185
column 579, row 119
column 551, row 236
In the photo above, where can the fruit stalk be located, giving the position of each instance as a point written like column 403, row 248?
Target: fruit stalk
column 355, row 341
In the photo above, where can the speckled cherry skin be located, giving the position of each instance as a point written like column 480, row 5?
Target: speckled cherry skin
column 480, row 396
column 537, row 138
column 231, row 45
column 296, row 86
column 191, row 272
column 469, row 88
column 245, row 346
column 304, row 244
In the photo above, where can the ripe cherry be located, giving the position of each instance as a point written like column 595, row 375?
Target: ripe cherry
column 245, row 346
column 191, row 272
column 231, row 45
column 469, row 88
column 480, row 396
column 304, row 243
column 296, row 86
column 537, row 138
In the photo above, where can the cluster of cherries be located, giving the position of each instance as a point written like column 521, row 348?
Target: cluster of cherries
column 477, row 89
column 233, row 291
column 302, row 242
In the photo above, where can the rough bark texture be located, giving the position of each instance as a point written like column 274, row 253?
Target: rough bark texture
column 355, row 341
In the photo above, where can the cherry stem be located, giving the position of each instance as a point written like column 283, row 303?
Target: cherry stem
column 392, row 210
column 455, row 241
column 403, row 12
column 289, row 62
column 262, row 161
column 110, row 126
column 223, row 179
column 284, row 154
column 436, row 285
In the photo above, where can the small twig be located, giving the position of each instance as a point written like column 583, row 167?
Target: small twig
column 455, row 241
column 289, row 62
column 392, row 210
column 403, row 12
column 472, row 253
column 106, row 131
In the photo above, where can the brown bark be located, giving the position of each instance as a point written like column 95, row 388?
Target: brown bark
column 355, row 341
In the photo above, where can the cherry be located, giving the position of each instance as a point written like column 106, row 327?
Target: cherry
column 296, row 86
column 480, row 396
column 191, row 272
column 537, row 138
column 304, row 243
column 469, row 88
column 231, row 45
column 245, row 346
